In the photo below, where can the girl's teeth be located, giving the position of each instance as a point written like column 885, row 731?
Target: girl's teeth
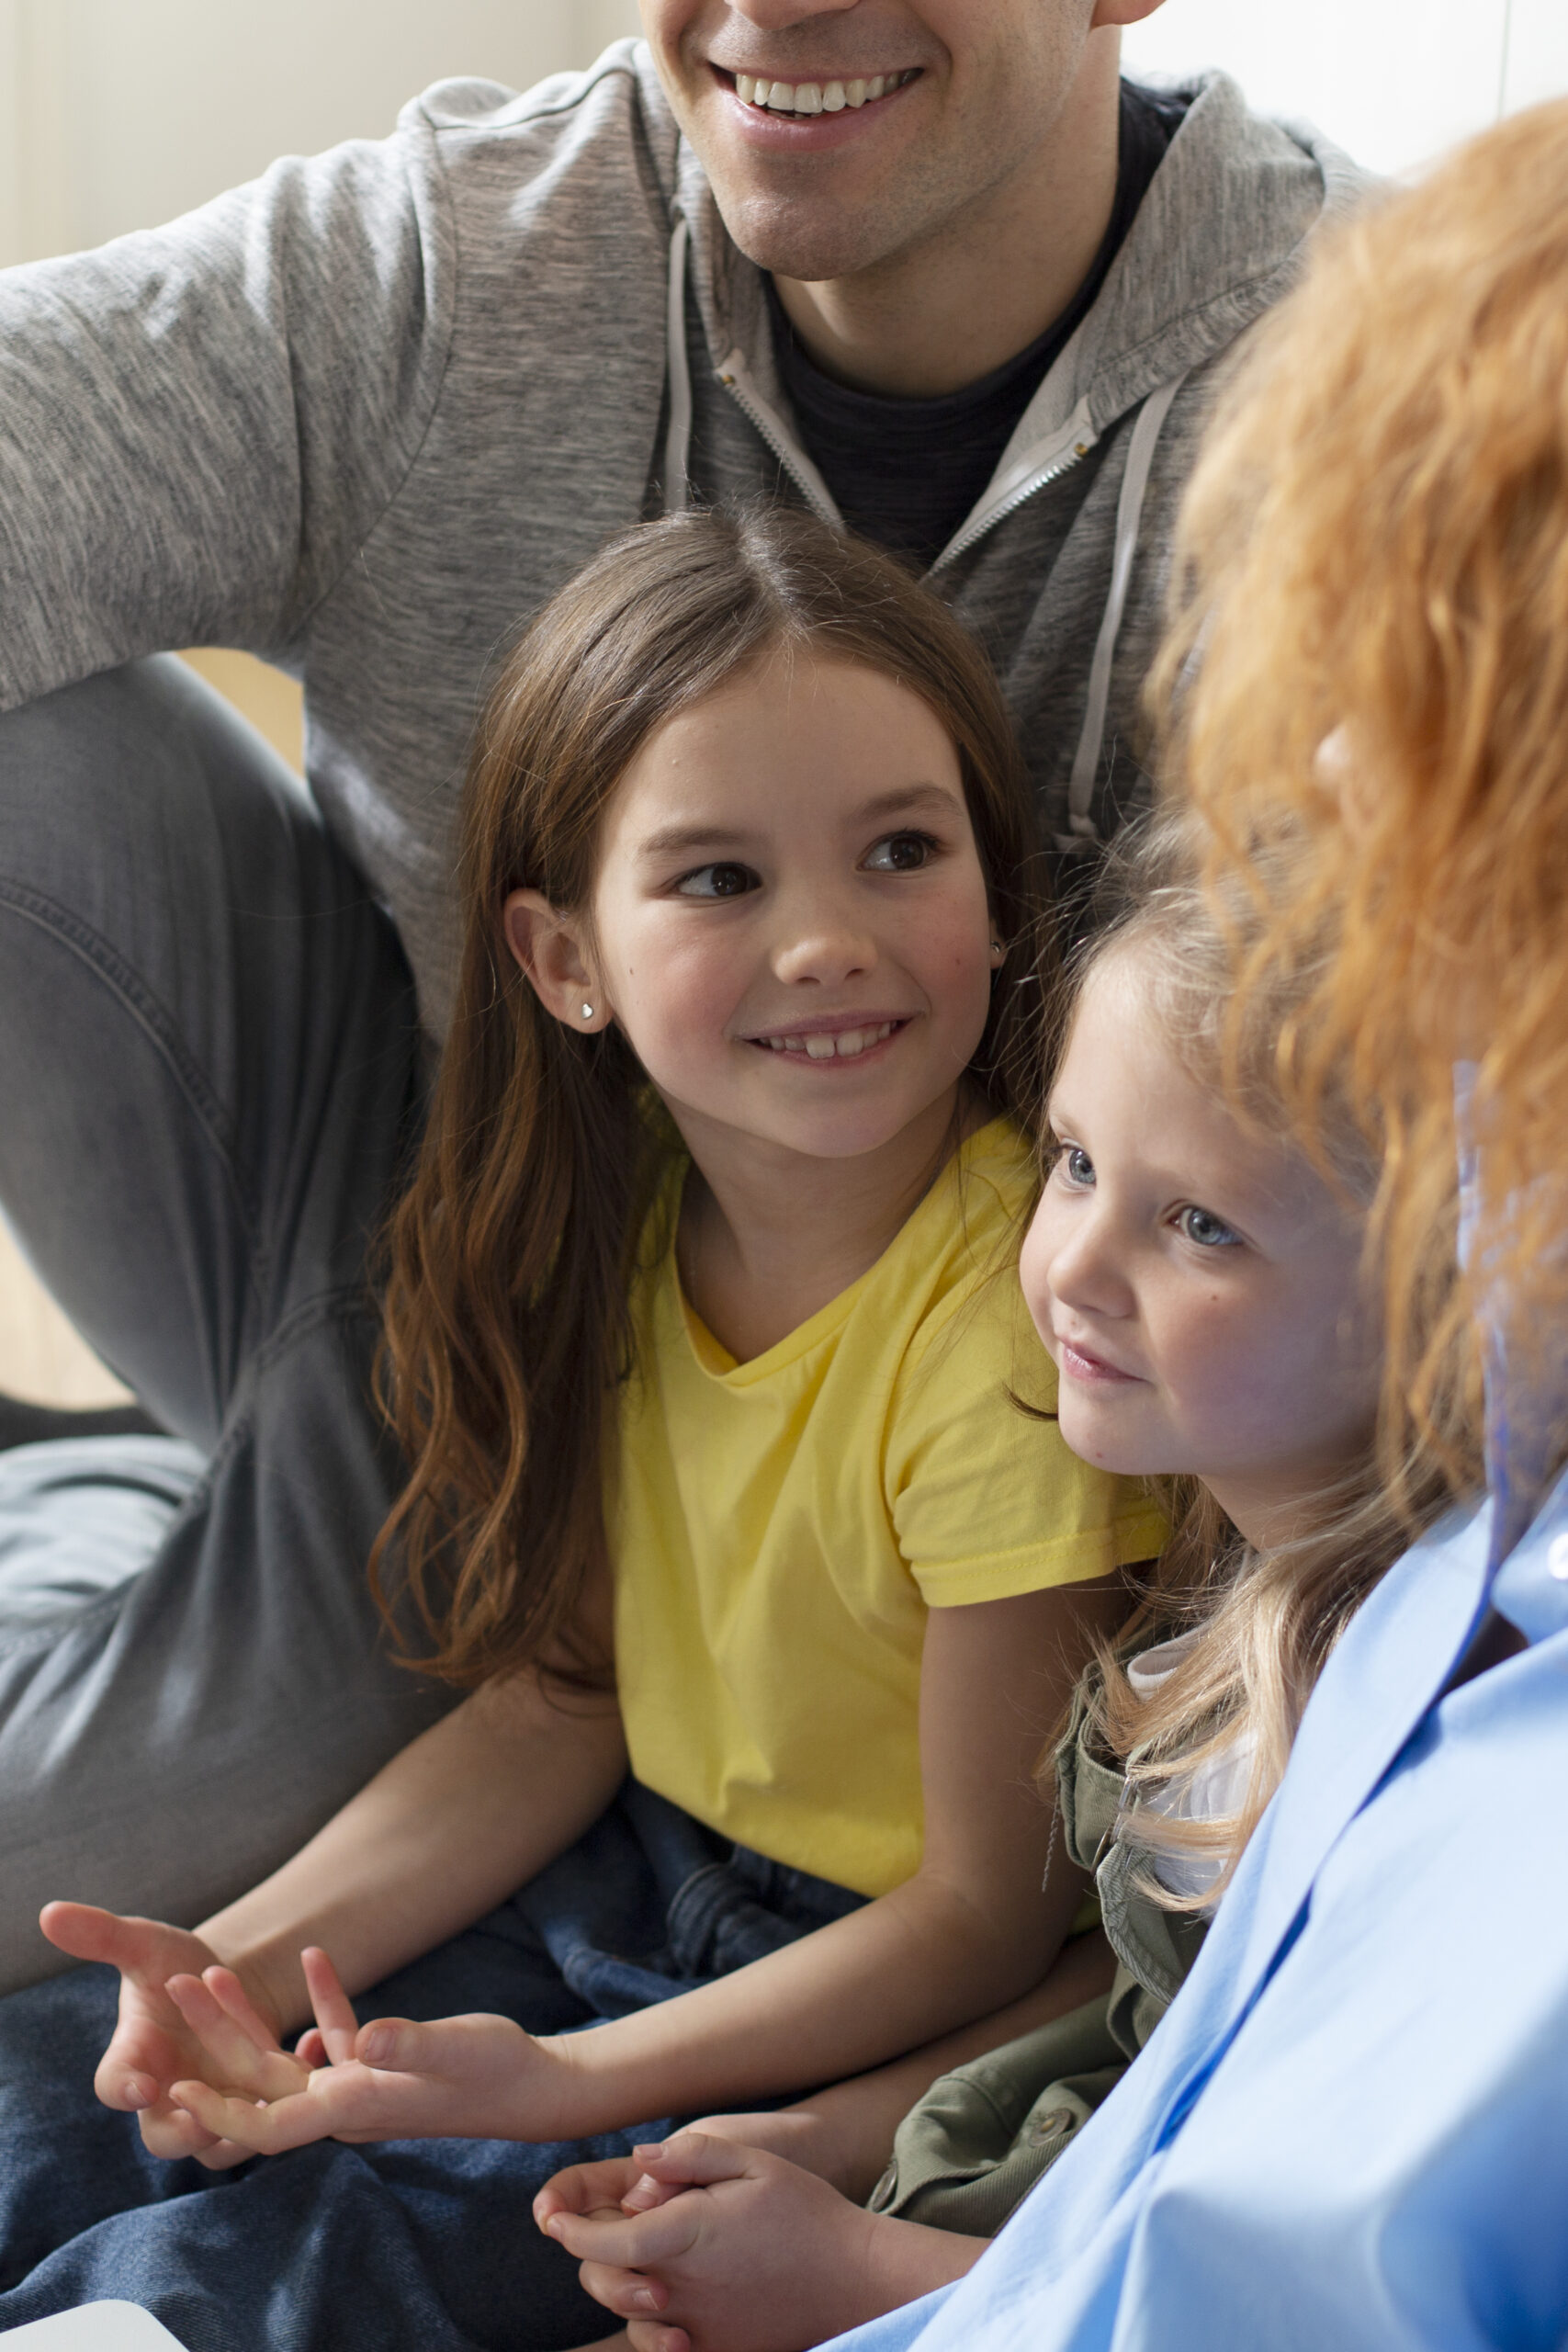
column 855, row 94
column 833, row 98
column 845, row 1045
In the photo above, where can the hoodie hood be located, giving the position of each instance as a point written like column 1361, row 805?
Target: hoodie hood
column 1217, row 240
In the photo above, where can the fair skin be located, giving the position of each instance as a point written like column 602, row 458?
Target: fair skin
column 1198, row 1285
column 790, row 925
column 1201, row 1288
column 919, row 239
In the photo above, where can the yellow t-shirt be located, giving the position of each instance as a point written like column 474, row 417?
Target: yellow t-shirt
column 779, row 1528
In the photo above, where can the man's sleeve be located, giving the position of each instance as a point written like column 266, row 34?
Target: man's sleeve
column 199, row 424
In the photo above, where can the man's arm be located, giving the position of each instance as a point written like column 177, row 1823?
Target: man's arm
column 200, row 424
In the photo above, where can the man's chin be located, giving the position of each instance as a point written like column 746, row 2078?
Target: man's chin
column 814, row 240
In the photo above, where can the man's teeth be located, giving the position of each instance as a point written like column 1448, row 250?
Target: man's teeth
column 824, row 1047
column 816, row 97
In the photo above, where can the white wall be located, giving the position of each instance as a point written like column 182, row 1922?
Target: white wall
column 115, row 114
column 1395, row 81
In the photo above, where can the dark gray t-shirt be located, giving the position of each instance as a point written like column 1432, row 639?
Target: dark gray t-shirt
column 906, row 472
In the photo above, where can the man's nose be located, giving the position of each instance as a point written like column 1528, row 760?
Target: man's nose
column 779, row 16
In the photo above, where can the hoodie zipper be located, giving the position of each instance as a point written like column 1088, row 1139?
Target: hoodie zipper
column 768, row 425
column 798, row 466
column 979, row 525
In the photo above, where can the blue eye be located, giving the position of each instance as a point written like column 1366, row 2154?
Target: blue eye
column 899, row 853
column 1074, row 1166
column 721, row 881
column 1205, row 1230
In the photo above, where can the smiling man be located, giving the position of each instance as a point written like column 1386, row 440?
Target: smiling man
column 926, row 266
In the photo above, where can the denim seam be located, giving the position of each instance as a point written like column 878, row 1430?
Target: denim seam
column 343, row 1306
column 152, row 1018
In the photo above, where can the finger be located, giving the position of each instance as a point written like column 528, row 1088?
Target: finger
column 169, row 2134
column 630, row 2241
column 626, row 2292
column 652, row 2336
column 339, row 2028
column 127, row 2090
column 259, row 2130
column 268, row 2074
column 82, row 1929
column 646, row 2193
column 219, row 2156
column 583, row 2188
column 311, row 2050
column 233, row 1998
column 693, row 2158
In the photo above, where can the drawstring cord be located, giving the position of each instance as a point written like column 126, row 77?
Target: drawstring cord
column 678, row 433
column 1082, row 832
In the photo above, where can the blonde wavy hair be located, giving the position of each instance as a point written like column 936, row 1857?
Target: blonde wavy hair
column 1269, row 1618
column 1366, row 696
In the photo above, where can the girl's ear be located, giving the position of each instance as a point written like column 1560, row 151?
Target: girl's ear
column 549, row 947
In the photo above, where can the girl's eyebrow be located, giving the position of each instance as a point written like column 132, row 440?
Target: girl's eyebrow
column 903, row 799
column 907, row 800
column 681, row 840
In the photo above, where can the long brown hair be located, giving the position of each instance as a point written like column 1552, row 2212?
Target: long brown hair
column 506, row 1320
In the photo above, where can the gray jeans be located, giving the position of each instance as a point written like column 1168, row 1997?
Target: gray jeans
column 210, row 1069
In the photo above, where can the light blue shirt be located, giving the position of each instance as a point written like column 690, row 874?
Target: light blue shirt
column 1351, row 2129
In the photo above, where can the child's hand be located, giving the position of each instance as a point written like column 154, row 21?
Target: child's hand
column 459, row 2077
column 706, row 2246
column 152, row 2046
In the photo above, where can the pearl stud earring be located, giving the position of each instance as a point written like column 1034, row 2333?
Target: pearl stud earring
column 588, row 1013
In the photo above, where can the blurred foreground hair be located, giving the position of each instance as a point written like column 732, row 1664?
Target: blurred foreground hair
column 1367, row 698
column 507, row 1327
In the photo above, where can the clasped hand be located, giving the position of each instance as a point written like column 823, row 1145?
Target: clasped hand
column 198, row 2062
column 705, row 2245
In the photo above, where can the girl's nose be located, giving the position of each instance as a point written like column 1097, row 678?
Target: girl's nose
column 1084, row 1267
column 826, row 953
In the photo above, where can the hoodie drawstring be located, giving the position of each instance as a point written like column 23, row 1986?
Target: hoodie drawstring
column 1082, row 832
column 678, row 433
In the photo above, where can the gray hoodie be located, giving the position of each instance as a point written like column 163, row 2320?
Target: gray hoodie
column 365, row 414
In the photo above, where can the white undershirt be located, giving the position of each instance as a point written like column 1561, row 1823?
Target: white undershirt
column 1208, row 1793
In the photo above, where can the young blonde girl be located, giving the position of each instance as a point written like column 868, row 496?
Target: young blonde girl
column 700, row 1331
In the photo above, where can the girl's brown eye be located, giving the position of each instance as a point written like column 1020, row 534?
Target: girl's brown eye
column 721, row 881
column 900, row 853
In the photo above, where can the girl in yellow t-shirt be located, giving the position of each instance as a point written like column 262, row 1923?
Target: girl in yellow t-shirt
column 701, row 1324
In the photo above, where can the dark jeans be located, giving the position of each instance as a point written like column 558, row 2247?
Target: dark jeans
column 211, row 1078
column 405, row 2247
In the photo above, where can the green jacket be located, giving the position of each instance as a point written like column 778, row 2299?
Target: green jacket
column 974, row 2146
